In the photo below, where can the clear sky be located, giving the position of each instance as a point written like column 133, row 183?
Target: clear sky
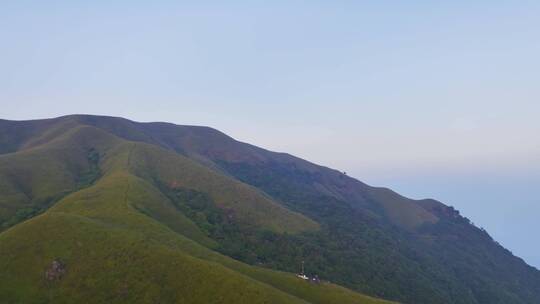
column 429, row 98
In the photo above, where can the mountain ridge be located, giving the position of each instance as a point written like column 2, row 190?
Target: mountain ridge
column 370, row 239
column 122, row 241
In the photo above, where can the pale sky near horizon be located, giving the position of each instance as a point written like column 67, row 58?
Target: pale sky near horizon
column 431, row 99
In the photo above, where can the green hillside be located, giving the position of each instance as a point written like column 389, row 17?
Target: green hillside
column 33, row 179
column 156, row 212
column 119, row 239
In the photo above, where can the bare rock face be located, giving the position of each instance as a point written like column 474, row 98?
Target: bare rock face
column 55, row 271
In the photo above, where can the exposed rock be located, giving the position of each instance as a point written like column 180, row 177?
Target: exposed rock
column 55, row 271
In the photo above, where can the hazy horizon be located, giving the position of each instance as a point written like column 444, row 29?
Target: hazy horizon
column 432, row 100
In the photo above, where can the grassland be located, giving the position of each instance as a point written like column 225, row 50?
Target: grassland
column 121, row 240
column 156, row 212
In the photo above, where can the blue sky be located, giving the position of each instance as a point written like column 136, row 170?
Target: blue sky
column 431, row 99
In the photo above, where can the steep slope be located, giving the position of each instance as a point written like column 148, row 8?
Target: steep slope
column 218, row 150
column 366, row 238
column 406, row 250
column 112, row 252
column 32, row 180
column 33, row 177
column 119, row 239
column 239, row 200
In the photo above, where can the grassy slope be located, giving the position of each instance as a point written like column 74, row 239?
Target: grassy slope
column 122, row 242
column 245, row 202
column 108, row 262
column 208, row 146
column 43, row 172
column 36, row 177
column 14, row 134
column 211, row 146
column 438, row 265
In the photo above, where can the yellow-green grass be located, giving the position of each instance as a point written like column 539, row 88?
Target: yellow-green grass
column 116, row 254
column 402, row 211
column 123, row 241
column 113, row 265
column 50, row 170
column 135, row 228
column 246, row 202
column 41, row 174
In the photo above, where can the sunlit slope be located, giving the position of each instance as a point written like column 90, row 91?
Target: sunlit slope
column 215, row 149
column 372, row 239
column 110, row 261
column 273, row 210
column 243, row 202
column 115, row 252
column 23, row 135
column 33, row 179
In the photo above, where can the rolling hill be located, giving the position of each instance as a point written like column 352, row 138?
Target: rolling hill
column 106, row 210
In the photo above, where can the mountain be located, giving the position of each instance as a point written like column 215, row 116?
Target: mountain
column 103, row 209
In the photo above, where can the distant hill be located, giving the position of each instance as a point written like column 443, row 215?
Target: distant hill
column 106, row 210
